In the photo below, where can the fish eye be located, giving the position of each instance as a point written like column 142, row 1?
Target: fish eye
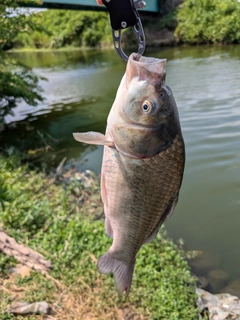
column 147, row 106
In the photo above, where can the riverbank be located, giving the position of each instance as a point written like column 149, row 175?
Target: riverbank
column 60, row 216
column 169, row 27
column 154, row 38
column 64, row 49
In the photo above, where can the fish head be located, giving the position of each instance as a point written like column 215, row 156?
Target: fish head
column 143, row 120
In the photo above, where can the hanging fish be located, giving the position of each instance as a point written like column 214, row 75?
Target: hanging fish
column 142, row 165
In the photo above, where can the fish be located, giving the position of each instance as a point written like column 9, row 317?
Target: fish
column 142, row 166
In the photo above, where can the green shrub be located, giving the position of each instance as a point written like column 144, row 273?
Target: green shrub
column 215, row 21
column 17, row 82
column 67, row 28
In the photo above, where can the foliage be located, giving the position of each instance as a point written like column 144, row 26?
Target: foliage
column 215, row 21
column 168, row 21
column 167, row 6
column 16, row 81
column 37, row 149
column 50, row 219
column 13, row 21
column 67, row 28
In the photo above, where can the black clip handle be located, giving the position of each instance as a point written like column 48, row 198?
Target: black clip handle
column 122, row 13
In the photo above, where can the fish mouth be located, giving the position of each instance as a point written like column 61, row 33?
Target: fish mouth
column 148, row 60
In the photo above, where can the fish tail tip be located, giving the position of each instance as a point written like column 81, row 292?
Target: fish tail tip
column 122, row 272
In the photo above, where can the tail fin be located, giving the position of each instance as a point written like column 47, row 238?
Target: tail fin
column 122, row 272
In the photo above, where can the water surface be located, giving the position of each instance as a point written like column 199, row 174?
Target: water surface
column 206, row 84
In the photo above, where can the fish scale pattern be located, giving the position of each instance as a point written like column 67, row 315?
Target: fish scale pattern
column 140, row 194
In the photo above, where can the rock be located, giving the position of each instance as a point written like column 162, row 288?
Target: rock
column 220, row 306
column 159, row 38
column 217, row 314
column 21, row 308
column 217, row 279
column 233, row 288
column 207, row 298
column 226, row 298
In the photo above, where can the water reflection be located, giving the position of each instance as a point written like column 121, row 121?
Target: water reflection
column 205, row 81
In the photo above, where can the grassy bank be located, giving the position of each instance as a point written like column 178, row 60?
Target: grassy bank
column 61, row 218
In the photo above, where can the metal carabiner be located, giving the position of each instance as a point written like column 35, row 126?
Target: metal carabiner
column 123, row 14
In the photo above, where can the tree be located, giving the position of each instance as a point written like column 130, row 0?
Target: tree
column 215, row 21
column 63, row 28
column 17, row 82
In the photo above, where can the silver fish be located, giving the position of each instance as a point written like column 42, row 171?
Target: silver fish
column 142, row 166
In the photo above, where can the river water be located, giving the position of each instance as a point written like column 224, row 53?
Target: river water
column 206, row 84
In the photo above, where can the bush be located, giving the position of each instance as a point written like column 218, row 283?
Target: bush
column 67, row 28
column 215, row 21
column 16, row 81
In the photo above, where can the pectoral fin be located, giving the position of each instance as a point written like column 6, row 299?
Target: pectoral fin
column 92, row 137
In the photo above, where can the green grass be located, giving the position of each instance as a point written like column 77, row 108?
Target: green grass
column 59, row 221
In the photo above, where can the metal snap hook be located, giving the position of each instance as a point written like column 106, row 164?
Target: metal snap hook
column 139, row 33
column 123, row 14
